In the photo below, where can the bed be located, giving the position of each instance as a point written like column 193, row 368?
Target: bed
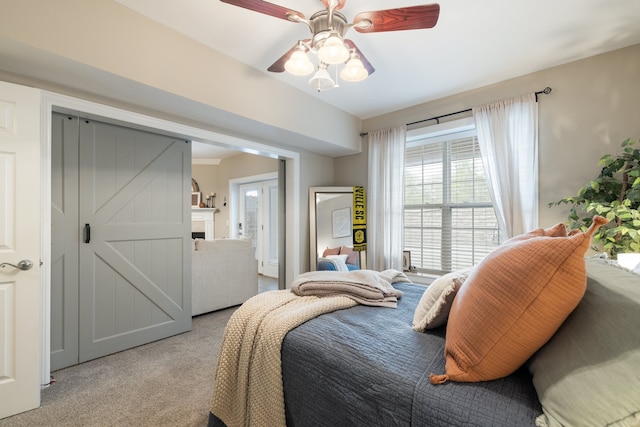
column 341, row 258
column 370, row 368
column 367, row 366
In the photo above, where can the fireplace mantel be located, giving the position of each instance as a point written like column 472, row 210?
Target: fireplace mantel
column 202, row 221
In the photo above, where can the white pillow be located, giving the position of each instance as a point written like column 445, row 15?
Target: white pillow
column 338, row 261
column 343, row 257
column 433, row 309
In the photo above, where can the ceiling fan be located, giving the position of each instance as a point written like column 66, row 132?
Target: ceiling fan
column 327, row 41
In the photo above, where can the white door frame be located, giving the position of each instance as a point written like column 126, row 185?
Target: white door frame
column 270, row 269
column 263, row 215
column 56, row 102
column 234, row 203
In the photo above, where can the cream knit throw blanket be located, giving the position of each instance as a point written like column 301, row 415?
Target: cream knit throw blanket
column 248, row 388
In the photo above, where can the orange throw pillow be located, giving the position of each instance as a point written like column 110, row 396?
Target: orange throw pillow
column 513, row 302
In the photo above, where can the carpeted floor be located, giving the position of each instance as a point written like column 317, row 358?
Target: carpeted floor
column 164, row 383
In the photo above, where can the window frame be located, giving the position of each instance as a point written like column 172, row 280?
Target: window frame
column 444, row 132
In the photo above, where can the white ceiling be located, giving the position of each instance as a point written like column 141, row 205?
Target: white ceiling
column 474, row 44
column 208, row 154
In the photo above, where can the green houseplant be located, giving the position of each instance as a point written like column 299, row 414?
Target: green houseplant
column 614, row 194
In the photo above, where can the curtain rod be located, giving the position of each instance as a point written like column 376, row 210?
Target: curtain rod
column 546, row 91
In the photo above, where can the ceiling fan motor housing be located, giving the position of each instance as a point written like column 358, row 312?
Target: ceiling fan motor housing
column 322, row 28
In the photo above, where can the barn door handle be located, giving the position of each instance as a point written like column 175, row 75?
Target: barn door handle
column 86, row 233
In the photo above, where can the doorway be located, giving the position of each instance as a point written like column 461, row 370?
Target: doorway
column 120, row 230
column 52, row 102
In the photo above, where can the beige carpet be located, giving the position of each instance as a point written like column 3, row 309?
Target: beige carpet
column 164, row 383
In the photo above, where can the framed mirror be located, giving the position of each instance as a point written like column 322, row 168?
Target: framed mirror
column 331, row 229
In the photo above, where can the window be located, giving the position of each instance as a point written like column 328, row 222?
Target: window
column 449, row 221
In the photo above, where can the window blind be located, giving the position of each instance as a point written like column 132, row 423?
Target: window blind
column 449, row 220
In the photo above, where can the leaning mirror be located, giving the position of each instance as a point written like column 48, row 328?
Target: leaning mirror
column 331, row 230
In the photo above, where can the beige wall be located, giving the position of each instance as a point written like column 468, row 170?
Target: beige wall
column 315, row 170
column 215, row 179
column 594, row 106
column 206, row 176
column 102, row 48
column 101, row 51
column 352, row 170
column 237, row 167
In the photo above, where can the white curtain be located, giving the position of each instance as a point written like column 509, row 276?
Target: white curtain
column 508, row 139
column 385, row 198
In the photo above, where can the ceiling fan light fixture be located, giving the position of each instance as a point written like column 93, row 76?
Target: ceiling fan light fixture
column 321, row 80
column 333, row 50
column 354, row 71
column 328, row 28
column 299, row 64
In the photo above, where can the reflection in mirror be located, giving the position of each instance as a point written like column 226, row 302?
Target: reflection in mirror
column 331, row 228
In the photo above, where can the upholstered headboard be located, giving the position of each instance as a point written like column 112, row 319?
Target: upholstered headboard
column 587, row 374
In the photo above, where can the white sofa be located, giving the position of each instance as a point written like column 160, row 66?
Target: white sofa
column 224, row 273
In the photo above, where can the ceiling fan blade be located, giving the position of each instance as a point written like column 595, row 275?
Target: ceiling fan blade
column 265, row 7
column 403, row 18
column 365, row 63
column 339, row 6
column 278, row 66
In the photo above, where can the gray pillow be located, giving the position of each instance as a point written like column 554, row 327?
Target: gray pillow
column 589, row 372
column 433, row 309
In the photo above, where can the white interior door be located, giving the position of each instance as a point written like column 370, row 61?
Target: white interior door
column 248, row 213
column 19, row 240
column 258, row 219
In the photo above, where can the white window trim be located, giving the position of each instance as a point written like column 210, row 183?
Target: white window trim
column 441, row 129
column 441, row 132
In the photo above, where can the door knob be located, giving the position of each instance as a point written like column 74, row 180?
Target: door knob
column 25, row 264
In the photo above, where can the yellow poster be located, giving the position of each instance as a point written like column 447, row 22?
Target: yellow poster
column 359, row 219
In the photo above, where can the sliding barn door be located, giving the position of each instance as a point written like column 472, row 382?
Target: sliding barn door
column 135, row 253
column 65, row 238
column 131, row 236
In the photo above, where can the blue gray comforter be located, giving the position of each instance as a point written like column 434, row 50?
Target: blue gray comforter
column 365, row 366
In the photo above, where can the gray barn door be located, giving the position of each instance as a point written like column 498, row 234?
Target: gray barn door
column 133, row 230
column 65, row 236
